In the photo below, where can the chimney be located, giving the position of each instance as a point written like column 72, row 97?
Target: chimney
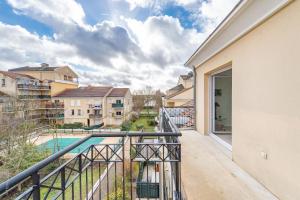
column 44, row 65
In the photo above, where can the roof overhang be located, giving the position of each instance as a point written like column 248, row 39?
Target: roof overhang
column 244, row 17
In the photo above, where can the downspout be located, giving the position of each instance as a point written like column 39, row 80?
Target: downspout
column 194, row 87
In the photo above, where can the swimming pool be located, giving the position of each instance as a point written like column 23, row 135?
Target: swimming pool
column 58, row 144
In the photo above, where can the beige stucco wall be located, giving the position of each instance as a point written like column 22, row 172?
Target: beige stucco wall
column 58, row 87
column 265, row 98
column 180, row 99
column 111, row 118
column 83, row 106
column 10, row 87
column 106, row 111
column 186, row 83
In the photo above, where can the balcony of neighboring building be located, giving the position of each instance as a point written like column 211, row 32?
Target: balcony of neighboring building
column 22, row 86
column 95, row 106
column 68, row 78
column 54, row 105
column 95, row 116
column 55, row 116
column 34, row 97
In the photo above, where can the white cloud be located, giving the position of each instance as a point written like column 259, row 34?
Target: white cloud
column 163, row 40
column 134, row 53
column 140, row 3
column 52, row 12
column 215, row 11
column 19, row 47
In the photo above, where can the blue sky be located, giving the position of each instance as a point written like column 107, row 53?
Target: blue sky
column 131, row 43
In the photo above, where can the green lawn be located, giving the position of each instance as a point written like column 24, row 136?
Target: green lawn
column 143, row 121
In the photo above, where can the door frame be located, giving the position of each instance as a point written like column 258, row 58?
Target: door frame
column 211, row 92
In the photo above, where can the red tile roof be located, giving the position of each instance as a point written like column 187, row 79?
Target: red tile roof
column 118, row 92
column 89, row 91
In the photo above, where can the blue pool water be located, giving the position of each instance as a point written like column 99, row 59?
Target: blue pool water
column 58, row 144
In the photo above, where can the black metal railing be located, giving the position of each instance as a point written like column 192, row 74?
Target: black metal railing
column 33, row 97
column 107, row 170
column 182, row 117
column 33, row 87
column 95, row 115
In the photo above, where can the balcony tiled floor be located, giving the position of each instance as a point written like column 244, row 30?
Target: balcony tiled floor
column 208, row 173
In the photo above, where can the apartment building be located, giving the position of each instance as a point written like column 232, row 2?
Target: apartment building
column 182, row 93
column 32, row 92
column 247, row 83
column 60, row 78
column 95, row 105
column 32, row 87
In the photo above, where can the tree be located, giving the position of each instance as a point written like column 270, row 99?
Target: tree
column 17, row 149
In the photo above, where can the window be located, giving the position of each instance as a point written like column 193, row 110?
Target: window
column 3, row 82
column 78, row 103
column 87, row 111
column 79, row 112
column 118, row 101
column 118, row 113
column 65, row 77
column 73, row 112
column 56, row 101
column 72, row 103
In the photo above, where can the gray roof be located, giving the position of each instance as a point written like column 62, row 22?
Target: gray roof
column 27, row 68
column 177, row 88
column 89, row 91
column 118, row 92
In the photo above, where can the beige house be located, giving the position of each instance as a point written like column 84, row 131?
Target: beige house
column 247, row 83
column 181, row 94
column 34, row 86
column 32, row 92
column 60, row 78
column 95, row 105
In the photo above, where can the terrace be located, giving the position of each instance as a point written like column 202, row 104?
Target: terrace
column 169, row 164
column 116, row 170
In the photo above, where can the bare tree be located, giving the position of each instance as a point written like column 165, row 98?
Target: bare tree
column 17, row 151
column 158, row 100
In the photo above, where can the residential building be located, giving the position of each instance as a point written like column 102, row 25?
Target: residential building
column 60, row 78
column 33, row 92
column 119, row 106
column 182, row 93
column 247, row 83
column 95, row 105
column 34, row 86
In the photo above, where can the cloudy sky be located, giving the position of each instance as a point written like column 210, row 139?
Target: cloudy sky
column 131, row 43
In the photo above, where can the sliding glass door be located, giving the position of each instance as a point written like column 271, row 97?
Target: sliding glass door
column 222, row 102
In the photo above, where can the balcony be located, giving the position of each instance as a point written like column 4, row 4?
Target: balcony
column 55, row 116
column 33, row 87
column 95, row 116
column 50, row 105
column 34, row 97
column 95, row 106
column 117, row 105
column 115, row 170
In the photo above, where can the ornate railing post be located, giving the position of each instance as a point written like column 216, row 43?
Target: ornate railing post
column 36, row 195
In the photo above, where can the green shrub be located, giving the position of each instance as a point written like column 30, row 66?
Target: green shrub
column 151, row 122
column 139, row 126
column 75, row 125
column 126, row 126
